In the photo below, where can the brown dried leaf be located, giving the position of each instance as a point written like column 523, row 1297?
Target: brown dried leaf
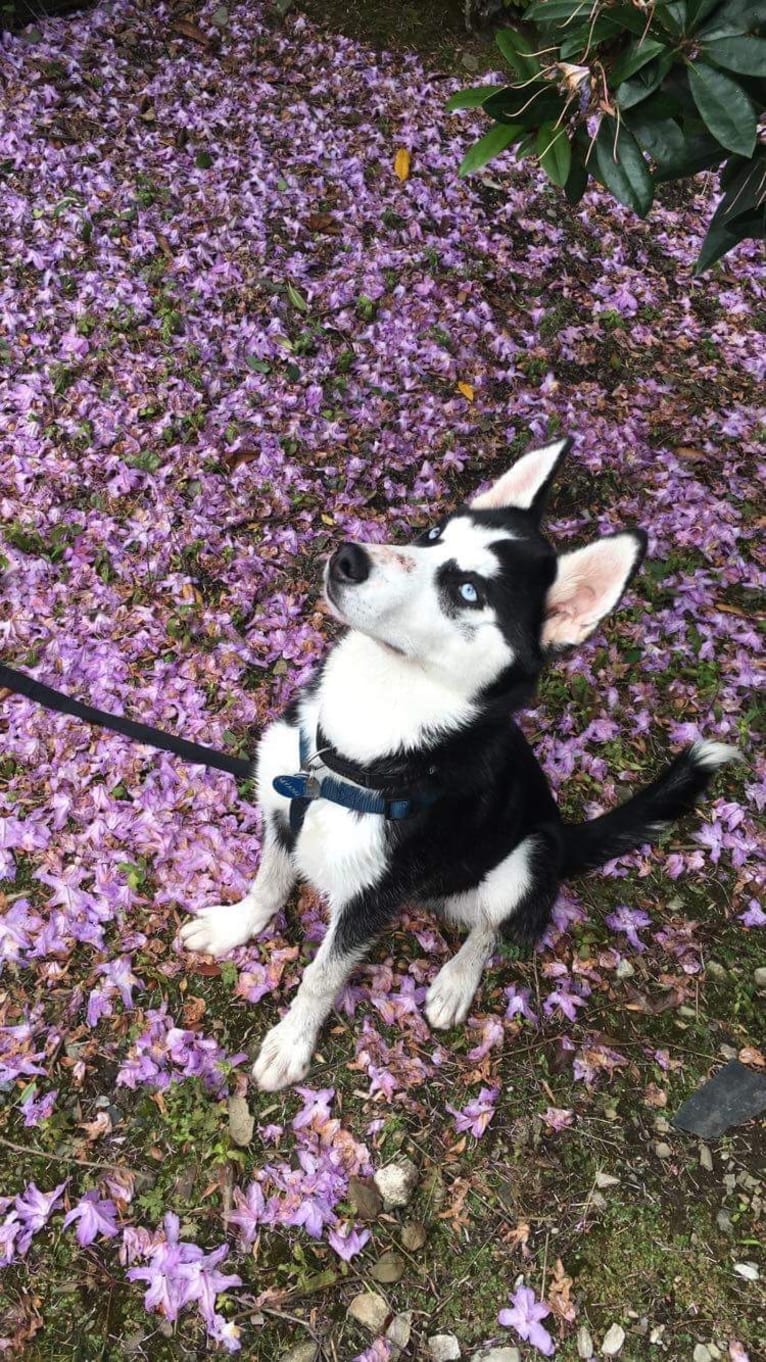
column 189, row 30
column 365, row 1198
column 559, row 1294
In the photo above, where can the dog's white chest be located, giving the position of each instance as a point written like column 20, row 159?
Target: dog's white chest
column 338, row 851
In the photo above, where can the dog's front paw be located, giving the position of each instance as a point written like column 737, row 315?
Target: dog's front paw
column 284, row 1057
column 223, row 927
column 450, row 996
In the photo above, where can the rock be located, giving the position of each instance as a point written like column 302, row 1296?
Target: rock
column 443, row 1348
column 389, row 1268
column 499, row 1355
column 399, row 1330
column 715, row 969
column 760, row 976
column 365, row 1198
column 413, row 1235
column 369, row 1310
column 702, row 1354
column 302, row 1352
column 749, row 1271
column 241, row 1123
column 613, row 1341
column 606, row 1180
column 706, row 1158
column 662, row 1150
column 396, row 1182
column 625, row 970
column 584, row 1343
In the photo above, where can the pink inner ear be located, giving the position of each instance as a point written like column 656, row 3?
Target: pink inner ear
column 588, row 585
column 520, row 485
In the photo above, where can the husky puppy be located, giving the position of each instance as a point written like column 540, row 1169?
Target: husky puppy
column 398, row 774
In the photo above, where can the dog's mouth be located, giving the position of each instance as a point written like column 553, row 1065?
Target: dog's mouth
column 332, row 602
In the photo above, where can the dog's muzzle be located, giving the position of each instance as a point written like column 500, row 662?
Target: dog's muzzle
column 349, row 565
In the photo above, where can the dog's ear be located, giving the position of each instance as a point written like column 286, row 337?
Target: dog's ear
column 526, row 484
column 589, row 583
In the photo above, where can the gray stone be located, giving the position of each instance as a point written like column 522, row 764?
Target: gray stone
column 702, row 1354
column 369, row 1310
column 760, row 976
column 302, row 1352
column 584, row 1343
column 241, row 1122
column 399, row 1330
column 662, row 1150
column 499, row 1355
column 396, row 1182
column 715, row 969
column 613, row 1340
column 443, row 1348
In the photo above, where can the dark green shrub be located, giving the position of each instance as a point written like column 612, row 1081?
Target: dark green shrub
column 637, row 94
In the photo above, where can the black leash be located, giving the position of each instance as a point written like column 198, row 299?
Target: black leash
column 194, row 752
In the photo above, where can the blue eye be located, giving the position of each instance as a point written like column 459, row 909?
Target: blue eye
column 434, row 533
column 469, row 593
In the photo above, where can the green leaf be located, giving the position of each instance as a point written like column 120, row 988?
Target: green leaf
column 530, row 105
column 577, row 182
column 555, row 153
column 634, row 91
column 518, row 52
column 672, row 17
column 697, row 11
column 488, row 146
column 556, row 11
column 637, row 55
column 698, row 153
column 472, row 97
column 297, row 299
column 623, row 17
column 740, row 214
column 724, row 108
column 627, row 175
column 745, row 55
column 734, row 18
column 662, row 138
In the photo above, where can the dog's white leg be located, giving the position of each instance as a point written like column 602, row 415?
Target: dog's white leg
column 522, row 887
column 285, row 1054
column 452, row 991
column 224, row 926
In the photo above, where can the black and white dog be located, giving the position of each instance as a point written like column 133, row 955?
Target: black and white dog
column 398, row 774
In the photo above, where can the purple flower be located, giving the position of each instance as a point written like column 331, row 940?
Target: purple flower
column 753, row 915
column 628, row 921
column 316, row 1107
column 347, row 1241
column 34, row 1209
column 525, row 1319
column 37, row 1109
column 94, row 1216
column 477, row 1114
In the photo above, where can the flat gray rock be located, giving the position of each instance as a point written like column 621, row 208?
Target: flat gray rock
column 732, row 1096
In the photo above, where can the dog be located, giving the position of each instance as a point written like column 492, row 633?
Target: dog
column 398, row 775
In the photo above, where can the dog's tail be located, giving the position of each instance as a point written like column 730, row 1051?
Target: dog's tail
column 642, row 818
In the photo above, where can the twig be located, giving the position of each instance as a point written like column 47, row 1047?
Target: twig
column 57, row 1158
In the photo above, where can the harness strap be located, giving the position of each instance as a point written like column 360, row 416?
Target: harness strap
column 193, row 752
column 302, row 787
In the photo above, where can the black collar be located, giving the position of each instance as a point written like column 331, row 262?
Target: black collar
column 404, row 775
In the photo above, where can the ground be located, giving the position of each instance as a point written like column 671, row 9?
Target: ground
column 231, row 336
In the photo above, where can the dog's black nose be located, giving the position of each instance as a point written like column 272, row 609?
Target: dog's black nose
column 349, row 565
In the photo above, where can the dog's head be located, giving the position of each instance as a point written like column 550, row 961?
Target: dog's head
column 481, row 597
